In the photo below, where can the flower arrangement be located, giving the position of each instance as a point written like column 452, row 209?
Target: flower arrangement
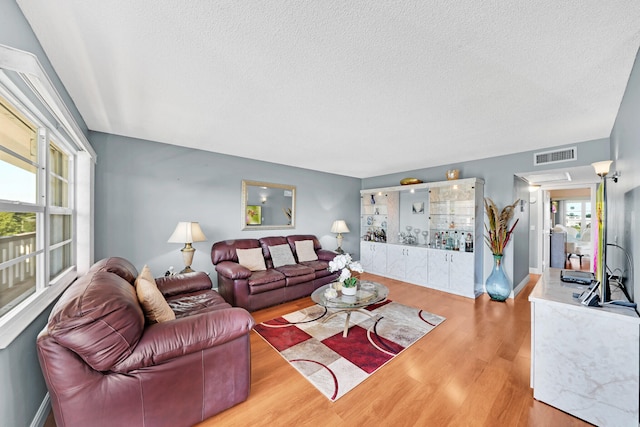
column 498, row 231
column 346, row 265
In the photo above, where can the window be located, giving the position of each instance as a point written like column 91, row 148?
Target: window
column 36, row 205
column 577, row 215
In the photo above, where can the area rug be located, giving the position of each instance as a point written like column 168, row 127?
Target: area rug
column 333, row 364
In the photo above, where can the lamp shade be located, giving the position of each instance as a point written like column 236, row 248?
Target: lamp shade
column 602, row 168
column 339, row 226
column 187, row 232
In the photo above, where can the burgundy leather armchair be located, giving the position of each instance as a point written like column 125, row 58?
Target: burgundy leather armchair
column 104, row 366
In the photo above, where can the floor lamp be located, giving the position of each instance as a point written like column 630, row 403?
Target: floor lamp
column 602, row 170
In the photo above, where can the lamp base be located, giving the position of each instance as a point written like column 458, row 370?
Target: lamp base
column 339, row 251
column 187, row 270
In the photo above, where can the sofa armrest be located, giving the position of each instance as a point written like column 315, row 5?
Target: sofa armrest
column 168, row 340
column 325, row 255
column 233, row 270
column 183, row 283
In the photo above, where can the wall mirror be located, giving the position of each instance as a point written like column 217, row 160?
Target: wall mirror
column 267, row 206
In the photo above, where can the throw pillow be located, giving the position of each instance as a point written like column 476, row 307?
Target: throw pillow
column 153, row 304
column 305, row 251
column 251, row 258
column 281, row 255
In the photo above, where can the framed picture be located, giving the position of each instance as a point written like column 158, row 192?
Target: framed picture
column 418, row 207
column 253, row 215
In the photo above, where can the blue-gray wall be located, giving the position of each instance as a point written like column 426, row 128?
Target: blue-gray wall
column 143, row 189
column 22, row 387
column 498, row 174
column 624, row 197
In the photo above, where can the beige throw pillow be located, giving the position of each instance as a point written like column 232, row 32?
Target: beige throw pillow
column 305, row 251
column 251, row 258
column 281, row 255
column 153, row 304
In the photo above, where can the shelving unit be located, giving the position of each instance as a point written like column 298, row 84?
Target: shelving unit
column 374, row 217
column 454, row 207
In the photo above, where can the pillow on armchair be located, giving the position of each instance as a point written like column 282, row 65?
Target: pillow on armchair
column 155, row 307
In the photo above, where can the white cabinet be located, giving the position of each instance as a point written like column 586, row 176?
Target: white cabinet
column 408, row 263
column 414, row 233
column 373, row 257
column 453, row 272
column 584, row 360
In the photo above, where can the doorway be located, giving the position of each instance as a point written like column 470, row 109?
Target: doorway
column 561, row 202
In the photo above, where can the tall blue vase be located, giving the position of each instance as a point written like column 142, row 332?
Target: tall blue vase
column 498, row 285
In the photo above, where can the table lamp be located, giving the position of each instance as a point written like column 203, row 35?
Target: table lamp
column 339, row 226
column 187, row 233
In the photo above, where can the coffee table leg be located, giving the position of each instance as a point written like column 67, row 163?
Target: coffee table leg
column 346, row 325
column 345, row 332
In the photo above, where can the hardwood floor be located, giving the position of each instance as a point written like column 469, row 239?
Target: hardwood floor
column 574, row 263
column 472, row 370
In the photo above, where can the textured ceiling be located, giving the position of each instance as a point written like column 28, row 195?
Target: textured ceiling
column 358, row 88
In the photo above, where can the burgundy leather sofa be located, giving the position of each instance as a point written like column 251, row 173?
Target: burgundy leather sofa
column 104, row 366
column 254, row 290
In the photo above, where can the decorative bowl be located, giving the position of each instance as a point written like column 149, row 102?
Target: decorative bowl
column 453, row 174
column 410, row 181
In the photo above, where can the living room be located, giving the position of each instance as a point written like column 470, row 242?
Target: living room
column 142, row 188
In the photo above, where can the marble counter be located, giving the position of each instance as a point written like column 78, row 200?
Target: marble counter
column 584, row 360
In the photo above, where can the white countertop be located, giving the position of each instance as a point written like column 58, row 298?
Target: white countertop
column 551, row 289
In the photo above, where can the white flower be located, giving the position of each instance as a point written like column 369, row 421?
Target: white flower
column 344, row 274
column 355, row 266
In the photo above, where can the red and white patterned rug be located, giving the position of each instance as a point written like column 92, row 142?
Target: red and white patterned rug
column 333, row 364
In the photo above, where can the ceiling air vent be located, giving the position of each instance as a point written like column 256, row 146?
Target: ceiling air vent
column 556, row 156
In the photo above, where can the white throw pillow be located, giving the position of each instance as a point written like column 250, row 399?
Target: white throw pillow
column 251, row 258
column 153, row 304
column 305, row 251
column 281, row 255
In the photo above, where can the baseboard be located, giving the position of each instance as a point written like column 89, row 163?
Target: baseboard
column 534, row 270
column 43, row 412
column 520, row 287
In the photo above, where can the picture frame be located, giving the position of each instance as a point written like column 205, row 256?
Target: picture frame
column 253, row 215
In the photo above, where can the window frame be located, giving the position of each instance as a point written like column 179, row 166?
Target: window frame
column 47, row 289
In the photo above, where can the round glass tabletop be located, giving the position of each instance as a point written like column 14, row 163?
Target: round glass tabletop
column 368, row 293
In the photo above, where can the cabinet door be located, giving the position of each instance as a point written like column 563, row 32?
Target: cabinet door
column 461, row 280
column 379, row 258
column 366, row 255
column 438, row 269
column 396, row 261
column 416, row 265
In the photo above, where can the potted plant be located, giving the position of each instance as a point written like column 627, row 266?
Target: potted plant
column 346, row 266
column 498, row 235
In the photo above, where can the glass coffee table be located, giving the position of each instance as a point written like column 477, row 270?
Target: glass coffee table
column 368, row 293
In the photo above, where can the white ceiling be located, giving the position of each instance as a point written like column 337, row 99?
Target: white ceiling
column 358, row 88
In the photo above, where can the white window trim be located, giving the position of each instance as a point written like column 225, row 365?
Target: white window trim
column 17, row 320
column 30, row 70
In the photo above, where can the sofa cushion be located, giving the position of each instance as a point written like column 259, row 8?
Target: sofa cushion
column 251, row 258
column 305, row 250
column 262, row 281
column 295, row 270
column 281, row 255
column 196, row 302
column 153, row 304
column 318, row 266
column 99, row 318
column 226, row 249
column 116, row 265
